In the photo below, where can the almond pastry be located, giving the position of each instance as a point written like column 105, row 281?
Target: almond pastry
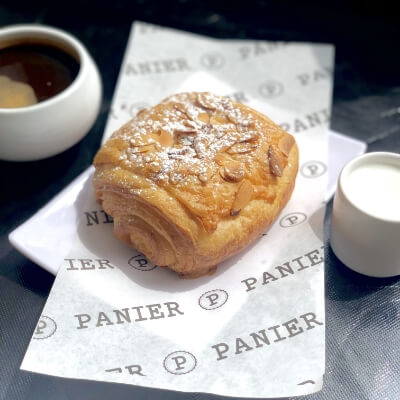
column 194, row 180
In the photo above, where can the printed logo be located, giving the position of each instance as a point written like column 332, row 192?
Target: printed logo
column 308, row 78
column 212, row 61
column 259, row 49
column 97, row 217
column 140, row 263
column 292, row 219
column 45, row 328
column 240, row 97
column 313, row 169
column 213, row 299
column 305, row 122
column 271, row 89
column 157, row 67
column 180, row 362
column 132, row 370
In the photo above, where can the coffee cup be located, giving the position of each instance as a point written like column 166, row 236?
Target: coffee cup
column 40, row 129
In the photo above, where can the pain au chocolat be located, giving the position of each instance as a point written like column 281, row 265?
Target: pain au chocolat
column 195, row 179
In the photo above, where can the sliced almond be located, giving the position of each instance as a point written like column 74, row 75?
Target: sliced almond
column 249, row 136
column 141, row 112
column 166, row 139
column 188, row 127
column 242, row 148
column 232, row 118
column 180, row 107
column 155, row 167
column 221, row 158
column 219, row 133
column 205, row 175
column 177, row 150
column 242, row 198
column 203, row 117
column 200, row 147
column 218, row 119
column 238, row 118
column 185, row 132
column 232, row 171
column 286, row 143
column 205, row 102
column 276, row 161
column 143, row 149
column 203, row 178
column 193, row 125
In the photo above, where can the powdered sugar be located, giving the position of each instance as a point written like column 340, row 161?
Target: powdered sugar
column 201, row 125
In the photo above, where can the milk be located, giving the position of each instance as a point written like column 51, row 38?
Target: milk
column 375, row 189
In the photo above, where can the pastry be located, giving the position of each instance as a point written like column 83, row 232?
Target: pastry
column 194, row 180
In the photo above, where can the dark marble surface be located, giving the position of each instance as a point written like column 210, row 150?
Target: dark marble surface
column 362, row 314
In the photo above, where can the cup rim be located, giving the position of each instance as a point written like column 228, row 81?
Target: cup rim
column 350, row 166
column 52, row 33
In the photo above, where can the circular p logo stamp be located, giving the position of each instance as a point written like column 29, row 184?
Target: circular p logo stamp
column 141, row 263
column 45, row 328
column 271, row 89
column 292, row 219
column 313, row 169
column 212, row 60
column 180, row 362
column 213, row 299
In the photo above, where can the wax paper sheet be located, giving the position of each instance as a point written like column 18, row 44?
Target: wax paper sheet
column 256, row 327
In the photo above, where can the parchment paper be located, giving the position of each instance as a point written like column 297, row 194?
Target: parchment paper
column 256, row 327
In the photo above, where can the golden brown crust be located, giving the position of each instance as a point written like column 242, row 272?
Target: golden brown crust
column 195, row 179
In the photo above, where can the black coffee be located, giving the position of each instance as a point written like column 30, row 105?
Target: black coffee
column 30, row 72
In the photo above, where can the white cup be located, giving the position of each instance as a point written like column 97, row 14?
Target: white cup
column 52, row 126
column 365, row 228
